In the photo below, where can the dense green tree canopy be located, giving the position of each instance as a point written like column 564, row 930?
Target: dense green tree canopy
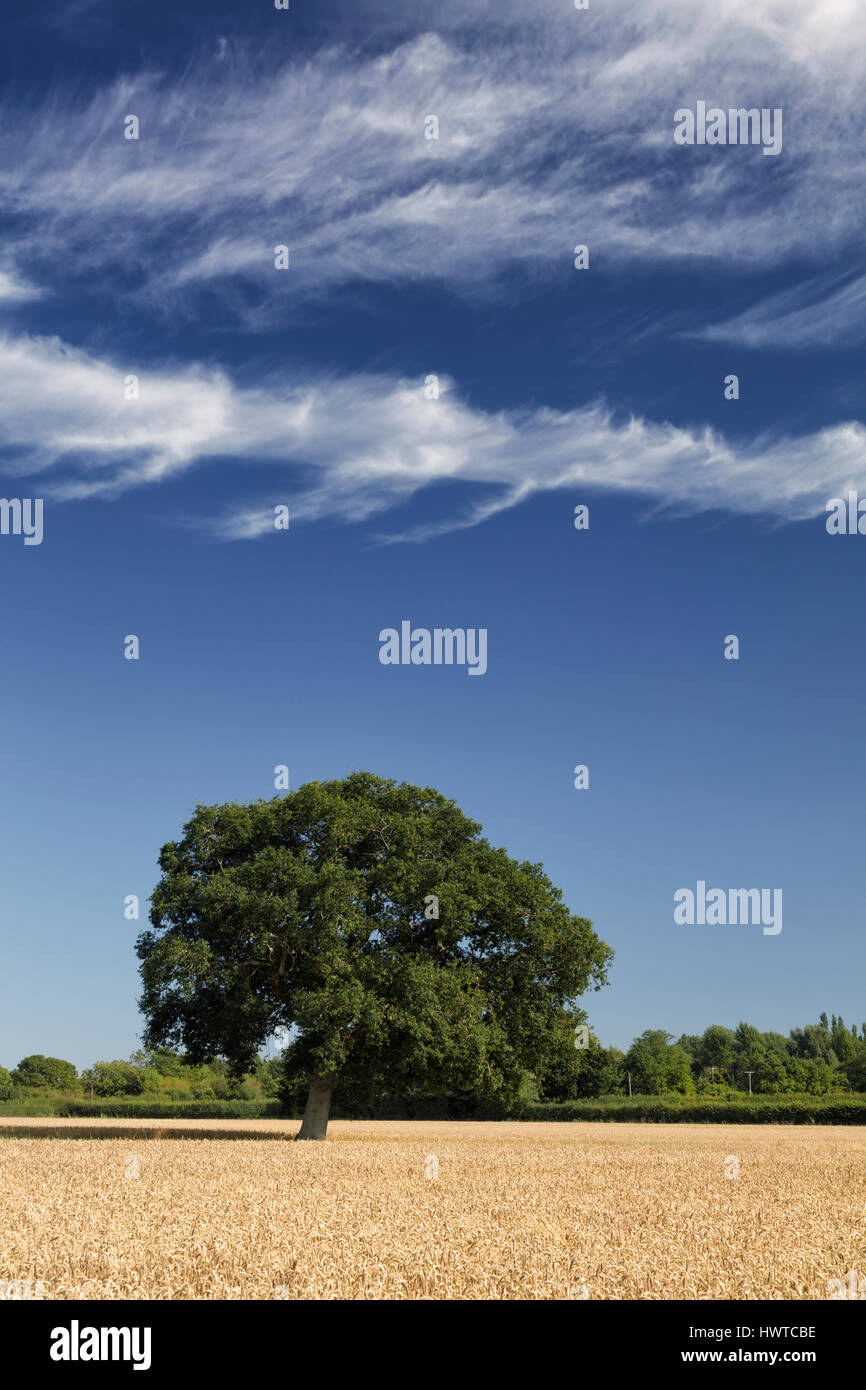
column 39, row 1072
column 717, row 1048
column 114, row 1079
column 657, row 1064
column 582, row 1071
column 374, row 919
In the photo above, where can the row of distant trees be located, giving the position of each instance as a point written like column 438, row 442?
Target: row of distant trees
column 160, row 1073
column 821, row 1059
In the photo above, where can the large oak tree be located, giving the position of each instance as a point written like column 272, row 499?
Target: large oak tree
column 374, row 919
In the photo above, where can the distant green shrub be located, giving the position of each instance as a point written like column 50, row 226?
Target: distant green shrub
column 23, row 1105
column 140, row 1108
column 150, row 1107
column 743, row 1110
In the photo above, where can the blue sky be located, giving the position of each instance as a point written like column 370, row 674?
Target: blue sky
column 305, row 387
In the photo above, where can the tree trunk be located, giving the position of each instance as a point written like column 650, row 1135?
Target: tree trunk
column 315, row 1125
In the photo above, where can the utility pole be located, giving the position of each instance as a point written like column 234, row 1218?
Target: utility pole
column 750, row 1074
column 629, row 1082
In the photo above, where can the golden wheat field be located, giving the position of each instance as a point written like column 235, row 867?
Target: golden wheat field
column 430, row 1210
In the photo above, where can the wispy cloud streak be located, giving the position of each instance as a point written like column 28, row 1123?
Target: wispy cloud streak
column 541, row 145
column 356, row 447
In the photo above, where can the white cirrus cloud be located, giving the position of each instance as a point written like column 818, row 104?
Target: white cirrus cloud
column 542, row 144
column 352, row 448
column 816, row 314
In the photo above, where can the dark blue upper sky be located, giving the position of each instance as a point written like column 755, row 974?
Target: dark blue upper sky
column 409, row 256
